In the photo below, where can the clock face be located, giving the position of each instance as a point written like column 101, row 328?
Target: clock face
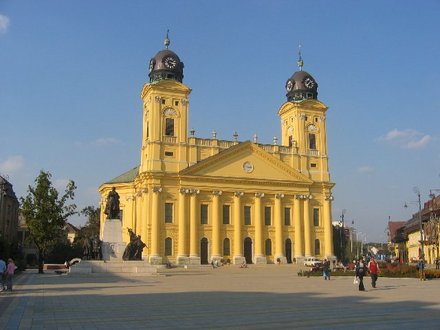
column 289, row 86
column 248, row 167
column 151, row 65
column 309, row 83
column 170, row 62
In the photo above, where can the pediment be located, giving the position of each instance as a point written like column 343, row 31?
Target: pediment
column 246, row 161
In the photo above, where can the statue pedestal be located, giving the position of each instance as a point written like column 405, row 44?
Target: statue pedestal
column 112, row 245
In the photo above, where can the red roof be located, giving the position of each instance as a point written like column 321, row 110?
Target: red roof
column 393, row 226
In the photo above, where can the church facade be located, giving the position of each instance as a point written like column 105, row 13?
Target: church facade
column 195, row 200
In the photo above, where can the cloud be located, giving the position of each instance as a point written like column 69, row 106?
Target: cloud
column 365, row 169
column 407, row 139
column 12, row 165
column 4, row 23
column 107, row 141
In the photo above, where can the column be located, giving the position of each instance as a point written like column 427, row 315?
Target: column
column 238, row 220
column 155, row 226
column 193, row 230
column 307, row 227
column 259, row 256
column 298, row 232
column 182, row 254
column 279, row 243
column 216, row 225
column 143, row 221
column 328, row 228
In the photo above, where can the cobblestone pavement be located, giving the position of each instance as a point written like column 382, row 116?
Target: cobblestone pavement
column 258, row 297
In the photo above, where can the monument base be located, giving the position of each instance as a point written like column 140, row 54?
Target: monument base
column 112, row 244
column 113, row 267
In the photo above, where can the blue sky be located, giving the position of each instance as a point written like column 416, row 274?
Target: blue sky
column 71, row 73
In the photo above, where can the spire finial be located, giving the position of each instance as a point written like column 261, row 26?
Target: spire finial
column 300, row 60
column 166, row 42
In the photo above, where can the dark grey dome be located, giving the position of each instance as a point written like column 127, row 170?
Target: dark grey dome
column 166, row 65
column 301, row 86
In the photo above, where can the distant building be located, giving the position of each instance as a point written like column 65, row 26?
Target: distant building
column 397, row 240
column 405, row 237
column 71, row 232
column 9, row 208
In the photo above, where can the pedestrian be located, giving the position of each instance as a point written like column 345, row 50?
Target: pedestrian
column 2, row 274
column 421, row 267
column 10, row 270
column 360, row 272
column 326, row 269
column 373, row 268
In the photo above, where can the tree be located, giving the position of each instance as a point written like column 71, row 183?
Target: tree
column 91, row 228
column 46, row 214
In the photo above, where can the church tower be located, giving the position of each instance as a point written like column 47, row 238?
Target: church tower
column 303, row 124
column 165, row 114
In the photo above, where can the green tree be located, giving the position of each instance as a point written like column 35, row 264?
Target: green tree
column 46, row 214
column 91, row 228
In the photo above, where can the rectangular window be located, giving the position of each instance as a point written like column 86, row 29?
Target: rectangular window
column 168, row 212
column 169, row 153
column 316, row 217
column 226, row 215
column 267, row 215
column 312, row 141
column 247, row 215
column 204, row 214
column 287, row 216
column 169, row 126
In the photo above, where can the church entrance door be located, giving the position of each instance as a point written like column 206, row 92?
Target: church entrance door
column 248, row 250
column 204, row 251
column 288, row 249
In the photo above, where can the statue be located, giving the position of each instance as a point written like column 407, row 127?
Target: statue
column 96, row 248
column 134, row 249
column 112, row 207
column 86, row 245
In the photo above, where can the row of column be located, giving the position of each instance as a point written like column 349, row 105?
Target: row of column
column 190, row 230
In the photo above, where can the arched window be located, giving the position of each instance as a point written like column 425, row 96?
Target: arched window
column 226, row 247
column 268, row 247
column 317, row 247
column 169, row 126
column 168, row 246
column 312, row 141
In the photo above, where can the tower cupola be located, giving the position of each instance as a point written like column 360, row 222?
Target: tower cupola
column 166, row 65
column 301, row 85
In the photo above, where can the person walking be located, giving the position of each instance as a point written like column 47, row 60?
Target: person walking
column 421, row 267
column 373, row 269
column 10, row 270
column 326, row 269
column 360, row 272
column 2, row 274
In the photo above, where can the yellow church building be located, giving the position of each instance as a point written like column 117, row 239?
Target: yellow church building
column 195, row 200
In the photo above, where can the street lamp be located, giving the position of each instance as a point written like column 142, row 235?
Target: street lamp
column 341, row 229
column 422, row 245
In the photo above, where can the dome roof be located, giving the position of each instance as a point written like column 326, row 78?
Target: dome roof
column 301, row 85
column 166, row 65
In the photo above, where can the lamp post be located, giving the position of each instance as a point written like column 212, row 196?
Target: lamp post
column 341, row 229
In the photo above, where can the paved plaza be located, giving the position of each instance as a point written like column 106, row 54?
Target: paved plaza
column 258, row 297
